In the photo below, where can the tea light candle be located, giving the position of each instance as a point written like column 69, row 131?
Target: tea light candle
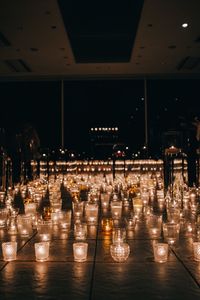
column 196, row 249
column 160, row 252
column 80, row 251
column 42, row 251
column 9, row 250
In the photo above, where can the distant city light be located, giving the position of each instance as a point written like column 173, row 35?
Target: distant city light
column 184, row 25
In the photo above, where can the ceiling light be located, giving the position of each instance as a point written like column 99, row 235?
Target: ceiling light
column 184, row 25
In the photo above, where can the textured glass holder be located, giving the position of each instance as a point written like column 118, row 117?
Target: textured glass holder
column 42, row 251
column 120, row 251
column 9, row 250
column 160, row 251
column 80, row 251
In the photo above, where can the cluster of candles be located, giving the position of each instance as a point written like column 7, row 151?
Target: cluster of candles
column 134, row 197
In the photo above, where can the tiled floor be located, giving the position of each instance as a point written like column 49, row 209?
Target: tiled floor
column 99, row 277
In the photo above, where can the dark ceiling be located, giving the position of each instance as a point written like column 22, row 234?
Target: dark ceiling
column 71, row 39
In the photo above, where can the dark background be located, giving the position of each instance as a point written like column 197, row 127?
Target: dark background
column 98, row 103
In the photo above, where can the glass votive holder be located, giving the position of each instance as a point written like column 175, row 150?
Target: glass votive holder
column 3, row 217
column 160, row 251
column 154, row 225
column 9, row 250
column 24, row 224
column 116, row 209
column 171, row 232
column 44, row 229
column 118, row 235
column 130, row 223
column 30, row 208
column 41, row 251
column 120, row 251
column 91, row 213
column 107, row 225
column 65, row 220
column 56, row 204
column 77, row 209
column 137, row 205
column 47, row 210
column 105, row 198
column 80, row 231
column 196, row 250
column 80, row 250
column 12, row 225
column 173, row 214
column 55, row 217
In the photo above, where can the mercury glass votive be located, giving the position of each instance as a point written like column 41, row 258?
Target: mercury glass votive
column 41, row 251
column 80, row 250
column 120, row 251
column 9, row 250
column 160, row 251
column 196, row 250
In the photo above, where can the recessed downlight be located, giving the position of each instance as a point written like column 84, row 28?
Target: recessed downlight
column 184, row 25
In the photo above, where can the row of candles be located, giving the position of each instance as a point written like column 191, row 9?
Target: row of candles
column 9, row 251
column 119, row 249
